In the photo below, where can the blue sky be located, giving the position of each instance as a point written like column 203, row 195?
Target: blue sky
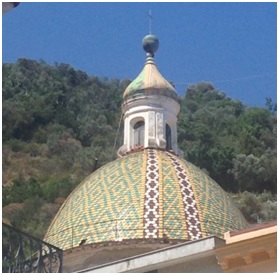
column 231, row 45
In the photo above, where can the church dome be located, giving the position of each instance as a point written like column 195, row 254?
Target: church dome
column 150, row 81
column 147, row 194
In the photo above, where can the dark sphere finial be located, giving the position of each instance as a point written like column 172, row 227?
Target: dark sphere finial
column 150, row 43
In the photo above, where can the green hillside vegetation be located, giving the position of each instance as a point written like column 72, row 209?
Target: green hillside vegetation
column 59, row 124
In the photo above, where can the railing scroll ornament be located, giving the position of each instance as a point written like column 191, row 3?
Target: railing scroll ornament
column 22, row 253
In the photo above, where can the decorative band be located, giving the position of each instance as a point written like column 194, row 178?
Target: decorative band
column 151, row 198
column 190, row 206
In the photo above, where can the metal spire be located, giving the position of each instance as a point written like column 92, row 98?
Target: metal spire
column 150, row 21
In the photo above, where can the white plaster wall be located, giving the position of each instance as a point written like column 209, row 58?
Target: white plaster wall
column 156, row 112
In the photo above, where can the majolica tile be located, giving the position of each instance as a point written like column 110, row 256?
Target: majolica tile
column 147, row 194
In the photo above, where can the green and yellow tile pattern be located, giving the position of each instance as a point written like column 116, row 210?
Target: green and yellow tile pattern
column 110, row 203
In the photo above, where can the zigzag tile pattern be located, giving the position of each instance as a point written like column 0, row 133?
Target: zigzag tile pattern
column 107, row 205
column 151, row 200
column 173, row 225
column 218, row 213
column 189, row 202
column 149, row 193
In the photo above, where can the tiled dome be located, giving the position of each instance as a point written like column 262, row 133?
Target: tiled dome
column 147, row 194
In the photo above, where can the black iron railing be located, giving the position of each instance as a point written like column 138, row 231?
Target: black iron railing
column 22, row 253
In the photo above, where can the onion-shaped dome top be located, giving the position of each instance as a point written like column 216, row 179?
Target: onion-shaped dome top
column 147, row 194
column 150, row 81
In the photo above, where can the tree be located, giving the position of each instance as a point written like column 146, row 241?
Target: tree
column 255, row 173
column 257, row 208
column 57, row 121
column 272, row 107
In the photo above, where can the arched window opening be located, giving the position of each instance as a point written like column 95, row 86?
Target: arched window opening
column 168, row 137
column 139, row 133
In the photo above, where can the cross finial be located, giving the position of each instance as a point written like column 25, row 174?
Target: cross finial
column 150, row 21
